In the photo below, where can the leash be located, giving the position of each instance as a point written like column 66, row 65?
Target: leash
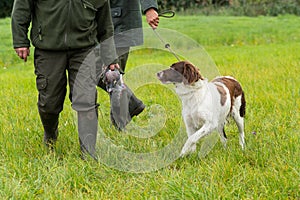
column 166, row 14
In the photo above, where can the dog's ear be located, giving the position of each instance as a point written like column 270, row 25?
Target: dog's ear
column 191, row 73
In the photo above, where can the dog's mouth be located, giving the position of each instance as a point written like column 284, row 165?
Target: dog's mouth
column 169, row 76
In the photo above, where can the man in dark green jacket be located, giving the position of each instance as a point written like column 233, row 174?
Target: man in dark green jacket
column 127, row 20
column 64, row 34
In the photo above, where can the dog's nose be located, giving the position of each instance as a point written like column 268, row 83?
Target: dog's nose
column 159, row 74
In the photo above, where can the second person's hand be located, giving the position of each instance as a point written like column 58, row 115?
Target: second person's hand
column 152, row 18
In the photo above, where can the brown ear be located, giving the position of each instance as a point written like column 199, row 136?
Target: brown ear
column 191, row 74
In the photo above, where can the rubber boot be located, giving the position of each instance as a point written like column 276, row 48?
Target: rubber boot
column 87, row 130
column 136, row 106
column 50, row 124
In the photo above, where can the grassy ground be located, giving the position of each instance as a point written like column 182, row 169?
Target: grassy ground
column 263, row 53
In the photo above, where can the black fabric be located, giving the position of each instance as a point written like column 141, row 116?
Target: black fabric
column 127, row 20
column 50, row 124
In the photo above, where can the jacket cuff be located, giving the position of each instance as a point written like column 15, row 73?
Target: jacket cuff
column 19, row 45
column 144, row 11
column 147, row 4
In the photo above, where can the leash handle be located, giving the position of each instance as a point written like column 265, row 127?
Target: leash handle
column 167, row 14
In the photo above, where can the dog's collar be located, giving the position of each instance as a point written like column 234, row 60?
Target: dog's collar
column 195, row 85
column 183, row 89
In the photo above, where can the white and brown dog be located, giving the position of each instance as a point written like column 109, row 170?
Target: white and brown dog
column 205, row 105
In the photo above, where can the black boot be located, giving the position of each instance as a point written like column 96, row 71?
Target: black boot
column 87, row 130
column 136, row 106
column 50, row 124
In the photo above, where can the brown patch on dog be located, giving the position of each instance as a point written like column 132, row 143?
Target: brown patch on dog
column 222, row 92
column 190, row 73
column 235, row 90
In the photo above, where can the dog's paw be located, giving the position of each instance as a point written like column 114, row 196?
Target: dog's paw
column 193, row 148
column 187, row 148
column 182, row 154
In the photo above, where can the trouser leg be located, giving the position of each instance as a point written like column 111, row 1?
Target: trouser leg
column 51, row 83
column 87, row 130
column 123, row 53
column 82, row 81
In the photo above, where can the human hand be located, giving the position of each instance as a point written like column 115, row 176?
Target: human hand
column 23, row 52
column 112, row 67
column 152, row 18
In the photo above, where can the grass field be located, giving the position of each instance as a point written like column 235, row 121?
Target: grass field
column 263, row 53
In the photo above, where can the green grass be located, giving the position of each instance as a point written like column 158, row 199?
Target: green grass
column 263, row 53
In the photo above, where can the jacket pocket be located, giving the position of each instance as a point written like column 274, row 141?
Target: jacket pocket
column 85, row 16
column 93, row 4
column 41, row 83
column 89, row 5
column 116, row 12
column 36, row 34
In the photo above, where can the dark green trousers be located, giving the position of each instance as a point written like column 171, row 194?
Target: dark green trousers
column 122, row 53
column 54, row 71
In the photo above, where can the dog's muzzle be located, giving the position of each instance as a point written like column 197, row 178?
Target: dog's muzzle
column 159, row 75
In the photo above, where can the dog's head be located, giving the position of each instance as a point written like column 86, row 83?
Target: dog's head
column 111, row 79
column 180, row 72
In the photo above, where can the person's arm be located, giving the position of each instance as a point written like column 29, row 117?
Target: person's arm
column 20, row 21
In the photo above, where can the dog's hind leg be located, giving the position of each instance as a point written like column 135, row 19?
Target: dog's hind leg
column 240, row 124
column 239, row 120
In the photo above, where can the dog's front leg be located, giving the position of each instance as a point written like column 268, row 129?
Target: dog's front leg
column 190, row 144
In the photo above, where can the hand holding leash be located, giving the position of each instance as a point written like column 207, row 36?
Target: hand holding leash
column 152, row 18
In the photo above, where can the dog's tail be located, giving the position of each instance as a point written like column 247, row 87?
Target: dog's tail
column 243, row 105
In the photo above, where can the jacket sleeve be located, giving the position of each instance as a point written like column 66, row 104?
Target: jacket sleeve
column 147, row 4
column 105, row 35
column 20, row 21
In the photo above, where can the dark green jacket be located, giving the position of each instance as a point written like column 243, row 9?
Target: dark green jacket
column 61, row 24
column 127, row 20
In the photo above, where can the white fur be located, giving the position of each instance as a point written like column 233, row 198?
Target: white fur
column 203, row 113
